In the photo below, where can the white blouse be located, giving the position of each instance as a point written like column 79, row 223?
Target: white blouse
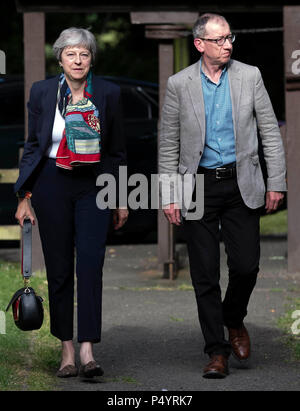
column 57, row 133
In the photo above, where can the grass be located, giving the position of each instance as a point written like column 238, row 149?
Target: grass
column 176, row 319
column 274, row 224
column 27, row 359
column 289, row 323
column 123, row 379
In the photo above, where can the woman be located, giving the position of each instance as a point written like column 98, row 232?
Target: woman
column 74, row 134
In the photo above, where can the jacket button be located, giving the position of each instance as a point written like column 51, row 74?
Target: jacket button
column 200, row 153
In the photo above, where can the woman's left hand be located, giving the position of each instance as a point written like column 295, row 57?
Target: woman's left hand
column 120, row 216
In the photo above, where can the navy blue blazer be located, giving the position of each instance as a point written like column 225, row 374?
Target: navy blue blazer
column 41, row 114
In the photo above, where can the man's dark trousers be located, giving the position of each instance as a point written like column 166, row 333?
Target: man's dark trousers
column 223, row 207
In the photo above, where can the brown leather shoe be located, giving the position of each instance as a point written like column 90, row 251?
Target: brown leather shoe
column 67, row 371
column 240, row 342
column 217, row 367
column 90, row 370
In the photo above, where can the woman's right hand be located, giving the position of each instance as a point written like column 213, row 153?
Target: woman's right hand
column 24, row 211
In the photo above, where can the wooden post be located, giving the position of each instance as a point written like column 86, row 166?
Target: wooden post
column 34, row 70
column 170, row 61
column 34, row 50
column 167, row 34
column 165, row 231
column 166, row 27
column 291, row 16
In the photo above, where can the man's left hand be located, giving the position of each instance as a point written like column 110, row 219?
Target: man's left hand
column 273, row 200
column 120, row 216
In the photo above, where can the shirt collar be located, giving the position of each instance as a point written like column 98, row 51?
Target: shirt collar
column 207, row 78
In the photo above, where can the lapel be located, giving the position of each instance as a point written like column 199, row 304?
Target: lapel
column 98, row 100
column 49, row 107
column 196, row 94
column 235, row 83
column 195, row 91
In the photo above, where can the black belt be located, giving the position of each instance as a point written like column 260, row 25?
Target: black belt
column 220, row 173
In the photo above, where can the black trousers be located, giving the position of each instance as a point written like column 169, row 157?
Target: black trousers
column 65, row 205
column 223, row 207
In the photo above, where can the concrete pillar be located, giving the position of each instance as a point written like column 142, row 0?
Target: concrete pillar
column 34, row 70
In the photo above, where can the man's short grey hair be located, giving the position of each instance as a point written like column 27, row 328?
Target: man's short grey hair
column 199, row 29
column 74, row 36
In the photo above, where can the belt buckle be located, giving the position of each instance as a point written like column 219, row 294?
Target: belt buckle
column 217, row 171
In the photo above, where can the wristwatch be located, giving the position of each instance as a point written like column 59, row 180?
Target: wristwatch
column 24, row 194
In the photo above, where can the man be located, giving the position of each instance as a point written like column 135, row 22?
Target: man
column 209, row 124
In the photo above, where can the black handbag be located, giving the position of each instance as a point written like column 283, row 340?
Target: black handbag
column 27, row 307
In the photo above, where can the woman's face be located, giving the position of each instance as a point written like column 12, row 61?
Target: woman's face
column 76, row 62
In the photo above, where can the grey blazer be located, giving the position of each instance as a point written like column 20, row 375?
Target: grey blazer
column 182, row 131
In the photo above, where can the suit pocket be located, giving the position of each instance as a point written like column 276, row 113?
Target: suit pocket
column 255, row 176
column 255, row 159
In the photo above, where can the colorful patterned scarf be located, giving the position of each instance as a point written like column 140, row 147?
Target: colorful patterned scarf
column 81, row 141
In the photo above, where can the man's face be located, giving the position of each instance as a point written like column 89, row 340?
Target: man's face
column 212, row 53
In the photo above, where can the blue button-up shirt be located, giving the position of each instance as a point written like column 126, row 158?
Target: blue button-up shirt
column 219, row 133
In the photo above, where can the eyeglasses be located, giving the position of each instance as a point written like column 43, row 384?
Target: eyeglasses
column 221, row 40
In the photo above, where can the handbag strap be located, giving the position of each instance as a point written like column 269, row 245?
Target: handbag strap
column 27, row 249
column 18, row 294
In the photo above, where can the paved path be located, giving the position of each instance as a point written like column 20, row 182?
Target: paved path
column 151, row 335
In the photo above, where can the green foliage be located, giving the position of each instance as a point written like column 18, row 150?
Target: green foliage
column 11, row 37
column 28, row 360
column 274, row 223
column 286, row 322
column 123, row 48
